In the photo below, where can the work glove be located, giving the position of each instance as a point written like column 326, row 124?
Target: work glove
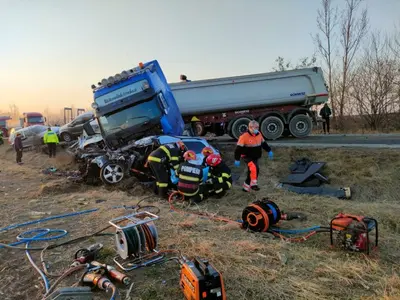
column 270, row 155
column 173, row 177
column 237, row 163
column 205, row 174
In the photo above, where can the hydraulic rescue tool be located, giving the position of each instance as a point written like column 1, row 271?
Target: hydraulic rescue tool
column 101, row 276
column 353, row 232
column 100, row 281
column 113, row 273
column 86, row 255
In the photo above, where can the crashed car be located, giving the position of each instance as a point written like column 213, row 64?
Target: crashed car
column 111, row 167
column 32, row 135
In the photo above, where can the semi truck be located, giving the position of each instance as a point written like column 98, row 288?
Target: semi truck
column 32, row 118
column 3, row 125
column 280, row 101
column 136, row 103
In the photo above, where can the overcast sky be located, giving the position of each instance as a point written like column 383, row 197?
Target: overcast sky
column 52, row 51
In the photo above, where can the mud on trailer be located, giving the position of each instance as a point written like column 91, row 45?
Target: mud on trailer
column 280, row 101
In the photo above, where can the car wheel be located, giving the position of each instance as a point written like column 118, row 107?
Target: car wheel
column 67, row 137
column 111, row 173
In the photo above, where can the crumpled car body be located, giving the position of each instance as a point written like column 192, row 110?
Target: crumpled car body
column 130, row 160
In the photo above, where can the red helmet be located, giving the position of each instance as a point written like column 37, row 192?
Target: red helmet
column 181, row 145
column 189, row 155
column 207, row 151
column 213, row 160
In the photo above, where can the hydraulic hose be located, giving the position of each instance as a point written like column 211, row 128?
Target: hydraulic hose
column 64, row 275
column 295, row 231
column 40, row 236
column 14, row 226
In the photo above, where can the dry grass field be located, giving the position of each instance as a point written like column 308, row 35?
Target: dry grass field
column 254, row 266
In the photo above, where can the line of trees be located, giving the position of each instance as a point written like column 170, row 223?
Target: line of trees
column 361, row 65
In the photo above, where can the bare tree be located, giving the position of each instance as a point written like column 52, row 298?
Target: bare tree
column 374, row 86
column 353, row 29
column 304, row 62
column 327, row 20
column 394, row 44
column 14, row 112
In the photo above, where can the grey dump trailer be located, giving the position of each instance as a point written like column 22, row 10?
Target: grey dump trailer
column 280, row 101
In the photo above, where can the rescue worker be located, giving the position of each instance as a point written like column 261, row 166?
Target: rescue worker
column 219, row 176
column 190, row 178
column 162, row 161
column 50, row 138
column 206, row 152
column 249, row 147
column 18, row 147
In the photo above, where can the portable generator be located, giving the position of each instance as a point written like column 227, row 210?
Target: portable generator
column 353, row 232
column 200, row 280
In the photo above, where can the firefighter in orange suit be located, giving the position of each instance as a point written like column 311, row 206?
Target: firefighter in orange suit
column 249, row 147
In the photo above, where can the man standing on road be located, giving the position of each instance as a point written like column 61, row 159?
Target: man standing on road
column 18, row 148
column 325, row 113
column 249, row 147
column 50, row 138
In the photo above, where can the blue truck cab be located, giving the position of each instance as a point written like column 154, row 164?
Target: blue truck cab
column 136, row 103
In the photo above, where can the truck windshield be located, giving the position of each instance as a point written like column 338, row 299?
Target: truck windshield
column 130, row 117
column 3, row 123
column 35, row 120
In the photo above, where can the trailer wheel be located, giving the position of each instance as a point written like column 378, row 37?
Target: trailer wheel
column 239, row 127
column 111, row 173
column 272, row 127
column 200, row 128
column 300, row 126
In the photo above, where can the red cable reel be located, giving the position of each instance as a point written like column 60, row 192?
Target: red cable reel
column 260, row 215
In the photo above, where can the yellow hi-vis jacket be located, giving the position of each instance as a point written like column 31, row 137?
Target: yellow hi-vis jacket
column 50, row 137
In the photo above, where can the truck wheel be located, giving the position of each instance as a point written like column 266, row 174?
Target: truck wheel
column 300, row 126
column 239, row 127
column 272, row 127
column 66, row 137
column 111, row 173
column 200, row 129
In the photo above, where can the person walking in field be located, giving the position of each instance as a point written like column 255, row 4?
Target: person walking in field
column 250, row 147
column 18, row 148
column 325, row 114
column 50, row 138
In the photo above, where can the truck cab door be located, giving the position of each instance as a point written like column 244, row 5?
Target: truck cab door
column 171, row 116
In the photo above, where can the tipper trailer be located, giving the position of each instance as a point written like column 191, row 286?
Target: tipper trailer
column 280, row 101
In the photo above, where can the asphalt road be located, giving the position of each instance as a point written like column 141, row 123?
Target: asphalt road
column 332, row 141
